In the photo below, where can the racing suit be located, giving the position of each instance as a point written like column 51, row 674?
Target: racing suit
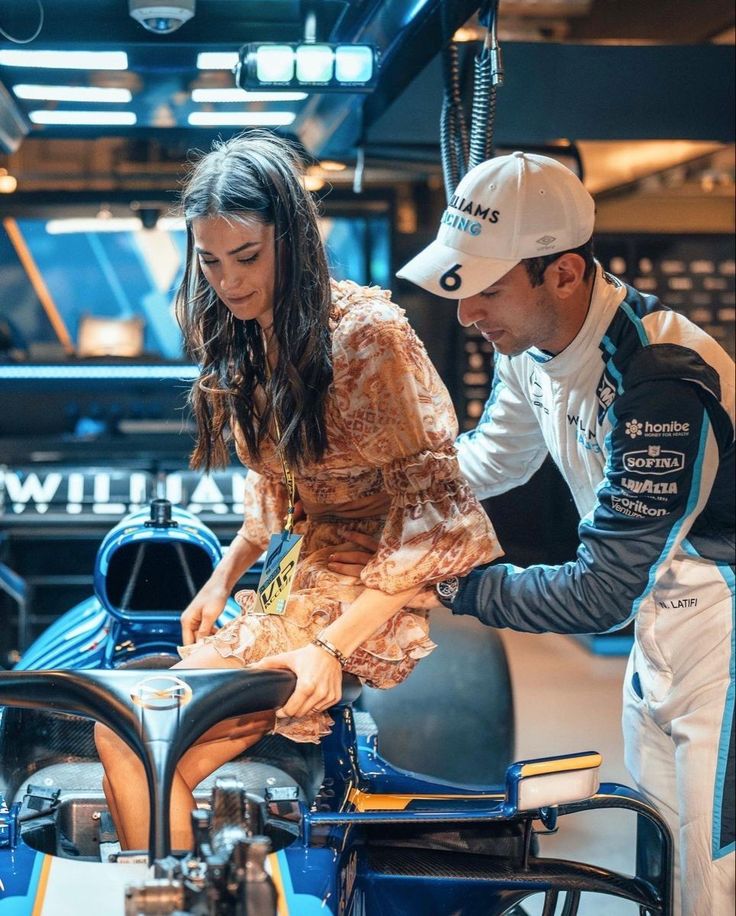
column 638, row 414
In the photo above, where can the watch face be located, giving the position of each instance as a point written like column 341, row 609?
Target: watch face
column 447, row 589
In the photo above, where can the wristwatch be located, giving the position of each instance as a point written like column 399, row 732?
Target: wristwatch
column 446, row 590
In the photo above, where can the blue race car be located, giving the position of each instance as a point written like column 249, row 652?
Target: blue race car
column 403, row 810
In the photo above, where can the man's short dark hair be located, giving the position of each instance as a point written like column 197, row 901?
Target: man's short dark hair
column 535, row 267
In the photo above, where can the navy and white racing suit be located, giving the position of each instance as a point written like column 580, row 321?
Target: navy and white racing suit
column 638, row 414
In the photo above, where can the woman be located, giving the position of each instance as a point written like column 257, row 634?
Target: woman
column 323, row 386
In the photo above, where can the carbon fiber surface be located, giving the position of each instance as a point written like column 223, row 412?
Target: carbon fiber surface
column 35, row 740
column 540, row 873
column 84, row 778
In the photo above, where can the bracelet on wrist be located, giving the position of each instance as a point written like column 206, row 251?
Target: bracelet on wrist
column 332, row 650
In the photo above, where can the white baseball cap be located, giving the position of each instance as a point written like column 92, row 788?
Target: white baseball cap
column 504, row 210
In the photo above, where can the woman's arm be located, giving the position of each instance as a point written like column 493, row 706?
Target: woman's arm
column 199, row 618
column 319, row 675
column 367, row 614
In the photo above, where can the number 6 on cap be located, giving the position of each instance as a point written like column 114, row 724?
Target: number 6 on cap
column 450, row 279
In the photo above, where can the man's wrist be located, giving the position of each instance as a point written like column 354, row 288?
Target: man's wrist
column 446, row 591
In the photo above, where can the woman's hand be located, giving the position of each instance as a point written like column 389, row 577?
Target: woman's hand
column 350, row 559
column 318, row 679
column 198, row 620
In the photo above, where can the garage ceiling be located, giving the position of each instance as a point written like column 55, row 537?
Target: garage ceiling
column 162, row 74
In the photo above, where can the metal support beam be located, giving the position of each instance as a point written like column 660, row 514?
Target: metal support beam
column 409, row 33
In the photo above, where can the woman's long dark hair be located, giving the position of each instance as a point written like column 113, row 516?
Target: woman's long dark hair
column 258, row 176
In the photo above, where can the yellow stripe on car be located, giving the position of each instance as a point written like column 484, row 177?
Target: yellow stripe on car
column 561, row 765
column 281, row 904
column 366, row 801
column 43, row 880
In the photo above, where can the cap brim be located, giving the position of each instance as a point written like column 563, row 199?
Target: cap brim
column 453, row 274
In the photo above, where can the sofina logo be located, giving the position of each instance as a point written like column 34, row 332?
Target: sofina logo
column 654, row 460
column 634, row 428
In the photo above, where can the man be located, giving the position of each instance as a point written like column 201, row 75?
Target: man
column 636, row 406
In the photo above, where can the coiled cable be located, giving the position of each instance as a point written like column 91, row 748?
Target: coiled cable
column 453, row 127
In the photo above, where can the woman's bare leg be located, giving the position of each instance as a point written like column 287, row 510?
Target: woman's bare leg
column 126, row 787
column 127, row 792
column 112, row 805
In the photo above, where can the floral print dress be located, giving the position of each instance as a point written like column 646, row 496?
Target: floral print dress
column 390, row 471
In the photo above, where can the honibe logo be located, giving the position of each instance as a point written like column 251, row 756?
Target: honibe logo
column 634, row 428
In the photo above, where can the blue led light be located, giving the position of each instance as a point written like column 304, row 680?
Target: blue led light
column 82, row 373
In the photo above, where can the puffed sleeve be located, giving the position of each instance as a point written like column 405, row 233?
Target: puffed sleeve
column 264, row 508
column 398, row 416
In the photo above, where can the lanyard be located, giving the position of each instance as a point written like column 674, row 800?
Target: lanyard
column 289, row 478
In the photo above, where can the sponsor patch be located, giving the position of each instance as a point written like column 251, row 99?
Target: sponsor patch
column 655, row 487
column 635, row 508
column 585, row 437
column 537, row 392
column 669, row 428
column 606, row 395
column 654, row 460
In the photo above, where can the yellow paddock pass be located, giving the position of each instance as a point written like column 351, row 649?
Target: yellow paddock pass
column 277, row 577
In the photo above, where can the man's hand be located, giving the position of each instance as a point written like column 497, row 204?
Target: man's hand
column 351, row 558
column 198, row 620
column 318, row 679
column 426, row 600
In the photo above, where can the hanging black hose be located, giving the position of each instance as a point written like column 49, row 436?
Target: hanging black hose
column 484, row 112
column 453, row 128
column 458, row 151
column 488, row 72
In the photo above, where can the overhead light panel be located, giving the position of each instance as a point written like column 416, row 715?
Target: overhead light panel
column 65, row 60
column 241, row 118
column 93, row 224
column 217, row 60
column 241, row 95
column 83, row 118
column 322, row 67
column 39, row 92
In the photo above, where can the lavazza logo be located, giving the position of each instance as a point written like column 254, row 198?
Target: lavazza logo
column 635, row 428
column 654, row 460
column 646, row 486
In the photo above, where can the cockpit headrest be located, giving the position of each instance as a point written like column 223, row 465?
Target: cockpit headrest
column 153, row 563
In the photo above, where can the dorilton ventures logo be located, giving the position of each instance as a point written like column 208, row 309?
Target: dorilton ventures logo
column 635, row 508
